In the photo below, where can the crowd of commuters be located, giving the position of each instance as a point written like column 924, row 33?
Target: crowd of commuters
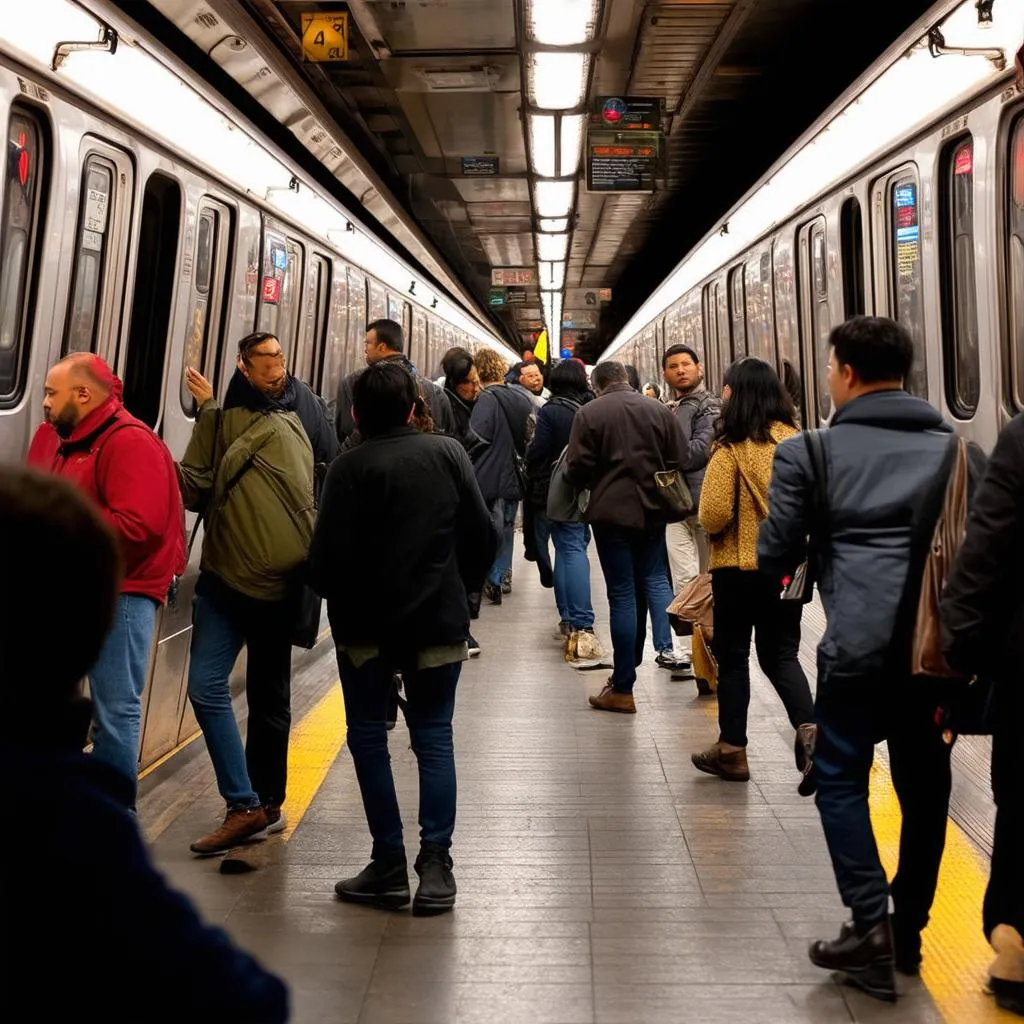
column 415, row 491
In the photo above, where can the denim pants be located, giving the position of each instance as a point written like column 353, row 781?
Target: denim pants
column 223, row 621
column 635, row 567
column 572, row 574
column 853, row 715
column 117, row 681
column 430, row 705
column 503, row 515
column 541, row 527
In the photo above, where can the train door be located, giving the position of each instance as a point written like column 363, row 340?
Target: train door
column 280, row 305
column 851, row 239
column 737, row 314
column 419, row 337
column 792, row 367
column 101, row 251
column 709, row 317
column 333, row 362
column 355, row 350
column 378, row 301
column 815, row 319
column 314, row 333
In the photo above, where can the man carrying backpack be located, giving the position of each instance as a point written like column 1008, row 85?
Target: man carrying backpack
column 887, row 456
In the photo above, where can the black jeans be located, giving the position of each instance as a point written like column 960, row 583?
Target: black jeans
column 747, row 603
column 853, row 715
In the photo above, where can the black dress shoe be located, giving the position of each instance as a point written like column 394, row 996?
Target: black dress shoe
column 866, row 959
column 382, row 883
column 436, row 892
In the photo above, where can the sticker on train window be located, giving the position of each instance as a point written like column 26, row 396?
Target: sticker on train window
column 271, row 290
column 96, row 210
column 92, row 240
column 964, row 162
column 279, row 256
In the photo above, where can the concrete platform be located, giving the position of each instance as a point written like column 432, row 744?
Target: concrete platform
column 601, row 878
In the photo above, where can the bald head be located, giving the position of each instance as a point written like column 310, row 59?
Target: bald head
column 74, row 387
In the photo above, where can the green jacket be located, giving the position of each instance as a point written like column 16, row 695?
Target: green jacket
column 251, row 476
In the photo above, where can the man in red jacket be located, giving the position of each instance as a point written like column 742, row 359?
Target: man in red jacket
column 91, row 440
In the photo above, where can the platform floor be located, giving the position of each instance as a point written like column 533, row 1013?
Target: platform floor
column 601, row 878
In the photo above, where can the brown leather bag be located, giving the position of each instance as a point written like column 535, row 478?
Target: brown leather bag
column 926, row 657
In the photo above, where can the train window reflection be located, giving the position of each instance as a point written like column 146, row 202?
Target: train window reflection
column 18, row 233
column 905, row 263
column 1015, row 228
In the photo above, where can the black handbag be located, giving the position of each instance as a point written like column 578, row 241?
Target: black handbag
column 306, row 625
column 800, row 587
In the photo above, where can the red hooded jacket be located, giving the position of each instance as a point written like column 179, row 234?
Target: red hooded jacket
column 119, row 462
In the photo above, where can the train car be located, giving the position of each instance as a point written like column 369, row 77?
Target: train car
column 905, row 200
column 143, row 219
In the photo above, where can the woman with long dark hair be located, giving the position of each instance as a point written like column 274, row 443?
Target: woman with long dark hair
column 757, row 415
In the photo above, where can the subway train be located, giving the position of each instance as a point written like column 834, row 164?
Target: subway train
column 906, row 199
column 141, row 220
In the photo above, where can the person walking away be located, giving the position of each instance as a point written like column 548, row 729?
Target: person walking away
column 571, row 573
column 505, row 417
column 757, row 416
column 90, row 439
column 983, row 635
column 116, row 909
column 617, row 444
column 250, row 470
column 402, row 528
column 884, row 453
column 697, row 411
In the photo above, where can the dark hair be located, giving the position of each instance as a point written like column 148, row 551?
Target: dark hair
column 757, row 401
column 382, row 397
column 250, row 341
column 454, row 353
column 606, row 374
column 632, row 377
column 793, row 384
column 388, row 333
column 877, row 348
column 57, row 535
column 568, row 377
column 679, row 350
column 654, row 387
column 456, row 364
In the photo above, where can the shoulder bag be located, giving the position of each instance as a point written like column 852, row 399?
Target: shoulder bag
column 566, row 504
column 800, row 587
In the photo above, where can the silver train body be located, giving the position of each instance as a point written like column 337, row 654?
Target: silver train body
column 922, row 220
column 114, row 243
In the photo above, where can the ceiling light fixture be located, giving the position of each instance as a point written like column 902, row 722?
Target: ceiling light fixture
column 541, row 128
column 551, row 247
column 555, row 224
column 551, row 275
column 562, row 22
column 557, row 81
column 553, row 198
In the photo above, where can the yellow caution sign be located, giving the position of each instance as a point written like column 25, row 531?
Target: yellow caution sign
column 324, row 37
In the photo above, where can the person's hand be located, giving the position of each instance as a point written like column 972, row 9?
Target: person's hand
column 201, row 388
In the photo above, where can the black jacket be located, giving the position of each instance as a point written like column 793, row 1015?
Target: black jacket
column 505, row 417
column 554, row 425
column 462, row 413
column 401, row 536
column 83, row 896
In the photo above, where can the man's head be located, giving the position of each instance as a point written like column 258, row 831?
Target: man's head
column 384, row 338
column 531, row 378
column 605, row 375
column 63, row 567
column 383, row 398
column 261, row 360
column 460, row 374
column 681, row 367
column 867, row 353
column 74, row 387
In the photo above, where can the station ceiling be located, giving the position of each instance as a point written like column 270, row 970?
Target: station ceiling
column 432, row 94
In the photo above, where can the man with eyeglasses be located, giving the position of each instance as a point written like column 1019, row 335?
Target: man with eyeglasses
column 250, row 469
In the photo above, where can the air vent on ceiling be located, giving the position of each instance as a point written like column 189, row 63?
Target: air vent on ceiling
column 478, row 79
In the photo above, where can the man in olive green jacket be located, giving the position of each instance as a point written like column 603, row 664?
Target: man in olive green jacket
column 250, row 469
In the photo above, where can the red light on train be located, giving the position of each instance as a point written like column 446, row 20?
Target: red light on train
column 22, row 160
column 963, row 163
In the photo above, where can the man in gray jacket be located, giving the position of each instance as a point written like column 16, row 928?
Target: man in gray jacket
column 887, row 457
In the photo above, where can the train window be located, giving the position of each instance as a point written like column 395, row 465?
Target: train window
column 90, row 260
column 851, row 231
column 394, row 308
column 406, row 320
column 316, row 340
column 821, row 319
column 357, row 319
column 737, row 313
column 786, row 321
column 155, row 277
column 378, row 302
column 204, row 250
column 283, row 260
column 333, row 361
column 19, row 232
column 907, row 291
column 1015, row 269
column 959, row 294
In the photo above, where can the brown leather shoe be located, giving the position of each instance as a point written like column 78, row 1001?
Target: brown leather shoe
column 611, row 700
column 714, row 761
column 240, row 825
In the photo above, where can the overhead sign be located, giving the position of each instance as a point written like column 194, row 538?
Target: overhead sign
column 515, row 296
column 506, row 277
column 479, row 166
column 584, row 320
column 496, row 297
column 324, row 37
column 586, row 298
column 627, row 113
column 622, row 161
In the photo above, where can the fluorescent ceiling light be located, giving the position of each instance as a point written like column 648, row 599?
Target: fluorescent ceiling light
column 541, row 128
column 557, row 81
column 554, row 224
column 553, row 198
column 572, row 141
column 561, row 22
column 551, row 275
column 551, row 247
column 916, row 90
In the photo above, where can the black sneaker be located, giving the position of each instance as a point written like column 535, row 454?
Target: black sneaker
column 382, row 883
column 474, row 600
column 492, row 593
column 436, row 892
column 474, row 647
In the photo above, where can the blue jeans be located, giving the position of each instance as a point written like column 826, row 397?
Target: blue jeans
column 503, row 515
column 222, row 623
column 635, row 566
column 572, row 574
column 430, row 705
column 117, row 682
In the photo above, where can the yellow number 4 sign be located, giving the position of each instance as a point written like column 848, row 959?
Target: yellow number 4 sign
column 324, row 37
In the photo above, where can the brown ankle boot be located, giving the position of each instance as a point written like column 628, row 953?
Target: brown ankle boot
column 611, row 700
column 729, row 766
